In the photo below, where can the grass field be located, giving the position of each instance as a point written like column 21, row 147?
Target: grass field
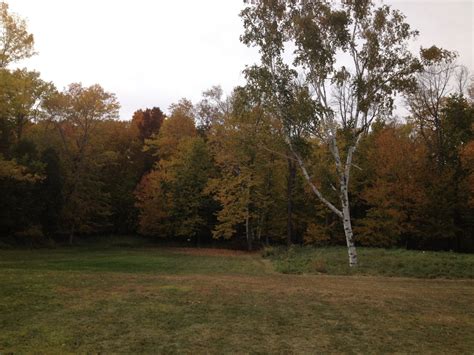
column 373, row 262
column 216, row 301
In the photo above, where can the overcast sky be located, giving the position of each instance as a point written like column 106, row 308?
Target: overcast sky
column 152, row 53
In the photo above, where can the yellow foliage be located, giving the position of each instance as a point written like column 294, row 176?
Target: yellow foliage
column 12, row 170
column 316, row 234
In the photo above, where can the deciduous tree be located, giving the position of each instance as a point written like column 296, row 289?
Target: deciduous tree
column 347, row 96
column 15, row 41
column 76, row 112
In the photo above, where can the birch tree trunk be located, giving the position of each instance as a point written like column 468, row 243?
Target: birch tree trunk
column 344, row 213
column 346, row 220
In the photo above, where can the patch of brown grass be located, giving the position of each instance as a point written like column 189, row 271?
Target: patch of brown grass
column 209, row 252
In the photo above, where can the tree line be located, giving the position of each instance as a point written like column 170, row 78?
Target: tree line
column 308, row 151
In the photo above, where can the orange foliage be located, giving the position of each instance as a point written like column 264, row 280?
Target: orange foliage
column 148, row 122
column 397, row 162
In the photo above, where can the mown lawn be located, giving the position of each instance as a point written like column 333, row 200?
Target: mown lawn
column 204, row 301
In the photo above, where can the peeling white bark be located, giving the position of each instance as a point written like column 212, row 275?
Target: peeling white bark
column 346, row 220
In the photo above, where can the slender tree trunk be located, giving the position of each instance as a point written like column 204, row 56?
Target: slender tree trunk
column 248, row 233
column 344, row 214
column 351, row 249
column 71, row 236
column 289, row 200
column 259, row 235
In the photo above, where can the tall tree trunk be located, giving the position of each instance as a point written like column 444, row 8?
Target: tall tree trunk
column 248, row 232
column 289, row 200
column 344, row 214
column 351, row 249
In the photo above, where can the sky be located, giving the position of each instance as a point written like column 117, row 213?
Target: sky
column 154, row 52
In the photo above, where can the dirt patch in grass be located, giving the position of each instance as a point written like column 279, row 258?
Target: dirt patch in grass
column 210, row 252
column 334, row 288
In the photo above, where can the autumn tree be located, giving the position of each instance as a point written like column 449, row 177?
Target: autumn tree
column 22, row 93
column 434, row 84
column 180, row 124
column 15, row 41
column 442, row 118
column 191, row 169
column 154, row 199
column 148, row 122
column 171, row 198
column 51, row 192
column 20, row 180
column 347, row 97
column 448, row 218
column 248, row 185
column 153, row 203
column 212, row 109
column 75, row 113
column 120, row 147
column 393, row 187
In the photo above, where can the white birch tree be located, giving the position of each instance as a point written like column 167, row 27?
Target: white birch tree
column 351, row 58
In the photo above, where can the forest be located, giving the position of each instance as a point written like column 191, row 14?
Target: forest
column 347, row 139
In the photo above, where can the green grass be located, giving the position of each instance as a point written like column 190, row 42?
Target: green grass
column 372, row 261
column 185, row 301
column 151, row 260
